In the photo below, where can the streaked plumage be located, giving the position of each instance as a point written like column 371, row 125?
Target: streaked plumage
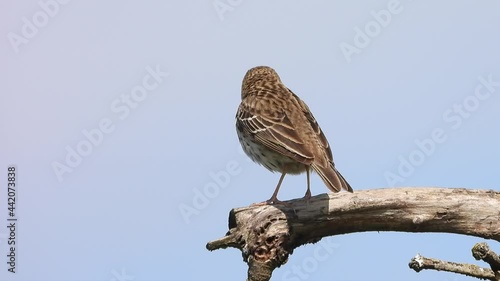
column 277, row 130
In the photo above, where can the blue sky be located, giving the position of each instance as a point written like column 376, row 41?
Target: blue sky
column 118, row 115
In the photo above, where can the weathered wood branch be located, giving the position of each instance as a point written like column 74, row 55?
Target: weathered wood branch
column 267, row 235
column 419, row 263
column 481, row 251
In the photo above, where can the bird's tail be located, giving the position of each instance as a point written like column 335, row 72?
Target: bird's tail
column 332, row 178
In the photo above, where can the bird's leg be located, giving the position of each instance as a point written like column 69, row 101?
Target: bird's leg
column 307, row 196
column 274, row 198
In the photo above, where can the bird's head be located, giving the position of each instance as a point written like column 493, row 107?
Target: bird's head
column 258, row 76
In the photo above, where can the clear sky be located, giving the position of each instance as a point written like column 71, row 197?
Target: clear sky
column 119, row 119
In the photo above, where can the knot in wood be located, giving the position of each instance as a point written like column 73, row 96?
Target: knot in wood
column 270, row 247
column 416, row 263
column 268, row 240
column 418, row 220
column 480, row 251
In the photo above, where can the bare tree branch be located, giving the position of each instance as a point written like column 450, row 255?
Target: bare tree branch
column 267, row 235
column 419, row 263
column 481, row 251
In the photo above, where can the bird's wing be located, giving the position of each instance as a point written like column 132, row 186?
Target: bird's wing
column 271, row 126
column 327, row 171
column 315, row 126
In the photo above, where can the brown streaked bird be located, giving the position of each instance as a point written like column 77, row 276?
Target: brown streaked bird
column 277, row 130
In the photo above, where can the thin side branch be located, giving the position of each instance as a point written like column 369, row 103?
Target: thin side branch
column 481, row 251
column 267, row 235
column 419, row 263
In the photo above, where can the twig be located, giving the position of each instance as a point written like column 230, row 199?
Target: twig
column 419, row 263
column 481, row 251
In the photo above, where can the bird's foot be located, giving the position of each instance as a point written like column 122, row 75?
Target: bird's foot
column 271, row 201
column 307, row 197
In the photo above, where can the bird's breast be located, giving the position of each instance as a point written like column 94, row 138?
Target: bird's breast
column 272, row 160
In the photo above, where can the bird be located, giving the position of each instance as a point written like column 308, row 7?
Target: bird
column 277, row 130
